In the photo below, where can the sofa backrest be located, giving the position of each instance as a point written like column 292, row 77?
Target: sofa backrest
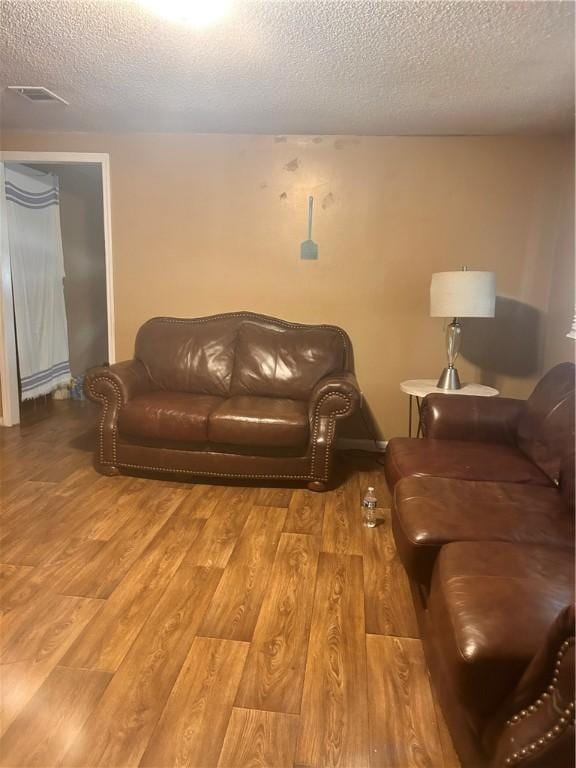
column 284, row 362
column 188, row 356
column 241, row 353
column 546, row 426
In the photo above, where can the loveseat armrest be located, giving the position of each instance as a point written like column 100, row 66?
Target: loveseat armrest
column 118, row 383
column 337, row 395
column 334, row 397
column 470, row 417
column 113, row 387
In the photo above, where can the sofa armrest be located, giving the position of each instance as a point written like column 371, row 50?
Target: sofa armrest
column 118, row 383
column 337, row 396
column 470, row 417
column 538, row 718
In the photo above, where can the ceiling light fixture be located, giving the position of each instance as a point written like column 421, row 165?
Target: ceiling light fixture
column 197, row 13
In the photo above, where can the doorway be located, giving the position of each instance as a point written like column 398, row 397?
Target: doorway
column 82, row 184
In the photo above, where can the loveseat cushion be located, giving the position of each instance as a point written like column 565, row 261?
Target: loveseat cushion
column 284, row 363
column 460, row 459
column 194, row 356
column 490, row 607
column 429, row 512
column 170, row 416
column 259, row 421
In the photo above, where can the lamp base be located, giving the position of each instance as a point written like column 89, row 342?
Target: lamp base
column 449, row 379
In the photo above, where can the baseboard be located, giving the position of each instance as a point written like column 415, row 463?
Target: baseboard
column 351, row 444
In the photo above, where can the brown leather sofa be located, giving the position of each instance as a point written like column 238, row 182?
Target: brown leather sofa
column 236, row 395
column 492, row 438
column 483, row 519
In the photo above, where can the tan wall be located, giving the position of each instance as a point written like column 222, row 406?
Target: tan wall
column 205, row 224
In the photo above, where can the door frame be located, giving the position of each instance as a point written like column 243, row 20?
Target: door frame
column 8, row 367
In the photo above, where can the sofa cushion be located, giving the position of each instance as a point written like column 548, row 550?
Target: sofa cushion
column 490, row 607
column 429, row 512
column 259, row 421
column 284, row 363
column 546, row 427
column 194, row 356
column 170, row 416
column 460, row 459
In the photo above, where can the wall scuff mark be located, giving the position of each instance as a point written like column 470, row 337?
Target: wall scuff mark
column 292, row 166
column 346, row 142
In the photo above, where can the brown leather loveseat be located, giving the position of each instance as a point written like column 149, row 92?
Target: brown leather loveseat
column 483, row 519
column 236, row 395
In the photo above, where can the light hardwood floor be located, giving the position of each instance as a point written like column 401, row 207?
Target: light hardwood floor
column 157, row 623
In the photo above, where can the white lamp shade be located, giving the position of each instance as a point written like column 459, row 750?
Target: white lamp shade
column 463, row 294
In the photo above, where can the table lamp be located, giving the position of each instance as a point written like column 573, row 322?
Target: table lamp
column 460, row 294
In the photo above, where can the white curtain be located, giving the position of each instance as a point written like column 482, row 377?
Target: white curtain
column 37, row 263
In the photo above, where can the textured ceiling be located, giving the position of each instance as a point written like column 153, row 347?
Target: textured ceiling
column 290, row 66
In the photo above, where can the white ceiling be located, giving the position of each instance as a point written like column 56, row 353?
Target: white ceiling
column 293, row 66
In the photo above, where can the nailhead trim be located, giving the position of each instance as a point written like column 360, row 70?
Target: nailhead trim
column 566, row 719
column 333, row 416
column 331, row 428
column 311, row 476
column 105, row 403
column 217, row 474
column 253, row 316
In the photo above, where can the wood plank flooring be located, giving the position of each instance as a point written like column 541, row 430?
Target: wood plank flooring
column 155, row 623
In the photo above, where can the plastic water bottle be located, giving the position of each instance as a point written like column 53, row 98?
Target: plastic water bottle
column 369, row 504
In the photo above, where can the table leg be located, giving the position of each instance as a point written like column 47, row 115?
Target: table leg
column 419, row 430
column 409, row 415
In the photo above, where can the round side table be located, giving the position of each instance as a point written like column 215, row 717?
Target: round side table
column 419, row 388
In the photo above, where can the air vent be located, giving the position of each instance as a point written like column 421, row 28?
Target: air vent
column 37, row 93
